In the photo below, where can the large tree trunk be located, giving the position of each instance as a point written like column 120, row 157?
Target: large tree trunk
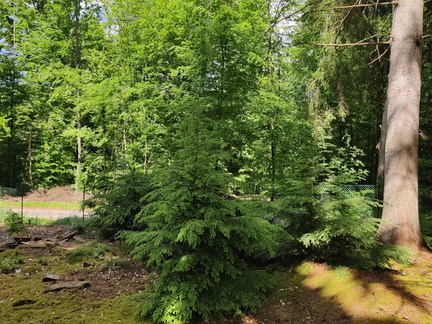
column 402, row 127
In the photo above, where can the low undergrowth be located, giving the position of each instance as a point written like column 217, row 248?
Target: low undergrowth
column 310, row 292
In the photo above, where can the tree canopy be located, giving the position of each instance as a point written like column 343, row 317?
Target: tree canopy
column 219, row 135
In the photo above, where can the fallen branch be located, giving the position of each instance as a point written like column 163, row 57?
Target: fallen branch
column 307, row 310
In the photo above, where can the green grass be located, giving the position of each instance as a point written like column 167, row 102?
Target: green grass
column 92, row 251
column 40, row 204
column 72, row 221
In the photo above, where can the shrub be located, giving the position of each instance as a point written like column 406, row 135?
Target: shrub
column 115, row 210
column 15, row 223
column 329, row 223
column 196, row 236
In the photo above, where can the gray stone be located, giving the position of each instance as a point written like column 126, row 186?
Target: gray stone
column 68, row 285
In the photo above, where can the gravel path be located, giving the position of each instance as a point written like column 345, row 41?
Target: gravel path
column 49, row 213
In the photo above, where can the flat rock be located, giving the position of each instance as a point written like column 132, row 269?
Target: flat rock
column 20, row 239
column 68, row 236
column 38, row 244
column 50, row 277
column 7, row 241
column 68, row 285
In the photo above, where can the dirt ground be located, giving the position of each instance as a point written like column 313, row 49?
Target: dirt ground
column 58, row 194
column 305, row 293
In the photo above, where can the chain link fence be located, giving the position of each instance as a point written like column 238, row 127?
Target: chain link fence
column 5, row 191
column 369, row 191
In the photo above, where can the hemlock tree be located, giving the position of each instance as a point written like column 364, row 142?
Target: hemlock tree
column 401, row 129
column 197, row 237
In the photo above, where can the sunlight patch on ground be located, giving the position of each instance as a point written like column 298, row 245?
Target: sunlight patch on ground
column 373, row 295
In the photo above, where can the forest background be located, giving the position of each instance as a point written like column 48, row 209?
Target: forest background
column 215, row 135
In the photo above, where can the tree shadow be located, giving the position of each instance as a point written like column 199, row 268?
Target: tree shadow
column 324, row 295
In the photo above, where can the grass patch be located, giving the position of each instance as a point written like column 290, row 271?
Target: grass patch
column 5, row 215
column 40, row 204
column 10, row 261
column 68, row 221
column 92, row 251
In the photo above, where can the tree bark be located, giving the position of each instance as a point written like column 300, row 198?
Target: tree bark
column 400, row 211
column 30, row 156
column 78, row 64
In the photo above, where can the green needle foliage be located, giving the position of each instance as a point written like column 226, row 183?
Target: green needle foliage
column 197, row 237
column 116, row 208
column 330, row 223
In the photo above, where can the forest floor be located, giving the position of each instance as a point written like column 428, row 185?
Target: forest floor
column 53, row 279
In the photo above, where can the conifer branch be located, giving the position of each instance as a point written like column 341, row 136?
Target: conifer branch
column 343, row 22
column 294, row 13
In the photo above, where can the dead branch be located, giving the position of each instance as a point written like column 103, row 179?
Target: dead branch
column 359, row 6
column 350, row 44
column 343, row 21
column 307, row 310
column 380, row 56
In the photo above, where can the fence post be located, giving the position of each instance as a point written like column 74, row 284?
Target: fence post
column 83, row 206
column 22, row 203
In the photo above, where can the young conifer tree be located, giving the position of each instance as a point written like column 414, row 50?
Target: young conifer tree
column 196, row 235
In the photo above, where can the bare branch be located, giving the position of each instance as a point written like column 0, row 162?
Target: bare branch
column 360, row 6
column 380, row 56
column 351, row 44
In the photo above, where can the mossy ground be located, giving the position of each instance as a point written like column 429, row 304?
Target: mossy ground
column 308, row 293
column 111, row 298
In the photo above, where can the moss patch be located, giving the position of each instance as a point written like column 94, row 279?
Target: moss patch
column 110, row 299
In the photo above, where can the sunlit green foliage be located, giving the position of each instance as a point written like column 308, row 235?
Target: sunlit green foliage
column 197, row 236
column 215, row 133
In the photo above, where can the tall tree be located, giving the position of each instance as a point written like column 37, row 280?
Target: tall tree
column 401, row 129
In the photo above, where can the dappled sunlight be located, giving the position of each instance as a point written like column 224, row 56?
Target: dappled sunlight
column 373, row 295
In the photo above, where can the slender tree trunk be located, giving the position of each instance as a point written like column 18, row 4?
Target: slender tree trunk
column 79, row 149
column 30, row 156
column 401, row 129
column 78, row 63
